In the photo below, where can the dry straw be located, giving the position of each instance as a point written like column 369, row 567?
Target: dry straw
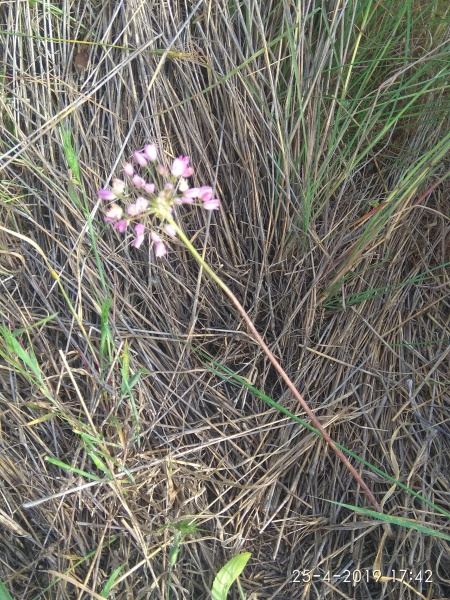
column 306, row 117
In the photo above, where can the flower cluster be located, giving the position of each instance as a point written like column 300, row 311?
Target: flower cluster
column 145, row 200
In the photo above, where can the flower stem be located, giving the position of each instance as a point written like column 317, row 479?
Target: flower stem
column 275, row 363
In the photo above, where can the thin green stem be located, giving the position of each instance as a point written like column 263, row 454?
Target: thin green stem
column 274, row 361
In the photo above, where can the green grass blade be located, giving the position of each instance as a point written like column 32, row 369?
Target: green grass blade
column 99, row 464
column 73, row 164
column 409, row 523
column 27, row 357
column 110, row 582
column 106, row 336
column 65, row 466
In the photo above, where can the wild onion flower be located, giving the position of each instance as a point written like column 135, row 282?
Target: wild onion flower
column 143, row 202
column 158, row 204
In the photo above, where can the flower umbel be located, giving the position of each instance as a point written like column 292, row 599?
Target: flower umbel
column 143, row 201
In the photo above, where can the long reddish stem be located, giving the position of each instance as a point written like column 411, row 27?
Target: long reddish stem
column 278, row 367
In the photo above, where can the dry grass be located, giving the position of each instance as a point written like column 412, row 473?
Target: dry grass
column 374, row 365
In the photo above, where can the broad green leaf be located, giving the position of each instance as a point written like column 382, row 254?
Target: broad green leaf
column 174, row 551
column 4, row 594
column 228, row 574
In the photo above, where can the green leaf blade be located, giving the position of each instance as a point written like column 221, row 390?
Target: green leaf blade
column 228, row 574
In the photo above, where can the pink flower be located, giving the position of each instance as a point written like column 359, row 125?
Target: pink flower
column 118, row 187
column 205, row 193
column 121, row 225
column 180, row 167
column 159, row 202
column 139, row 229
column 137, row 207
column 114, row 213
column 160, row 247
column 150, row 152
column 183, row 185
column 138, row 181
column 192, row 193
column 211, row 204
column 162, row 170
column 140, row 158
column 106, row 195
column 128, row 169
column 183, row 200
column 132, row 210
column 141, row 203
column 137, row 242
column 160, row 250
column 170, row 230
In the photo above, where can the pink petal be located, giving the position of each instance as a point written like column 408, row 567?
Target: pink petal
column 177, row 167
column 139, row 158
column 118, row 187
column 141, row 203
column 183, row 200
column 151, row 152
column 137, row 242
column 138, row 181
column 114, row 213
column 121, row 225
column 211, row 204
column 160, row 249
column 106, row 195
column 149, row 188
column 206, row 193
column 170, row 230
column 192, row 193
column 139, row 229
column 183, row 185
column 132, row 210
column 128, row 169
column 162, row 170
column 180, row 167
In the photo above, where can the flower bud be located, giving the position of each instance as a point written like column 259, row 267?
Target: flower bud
column 138, row 181
column 150, row 152
column 140, row 158
column 106, row 195
column 118, row 187
column 128, row 169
